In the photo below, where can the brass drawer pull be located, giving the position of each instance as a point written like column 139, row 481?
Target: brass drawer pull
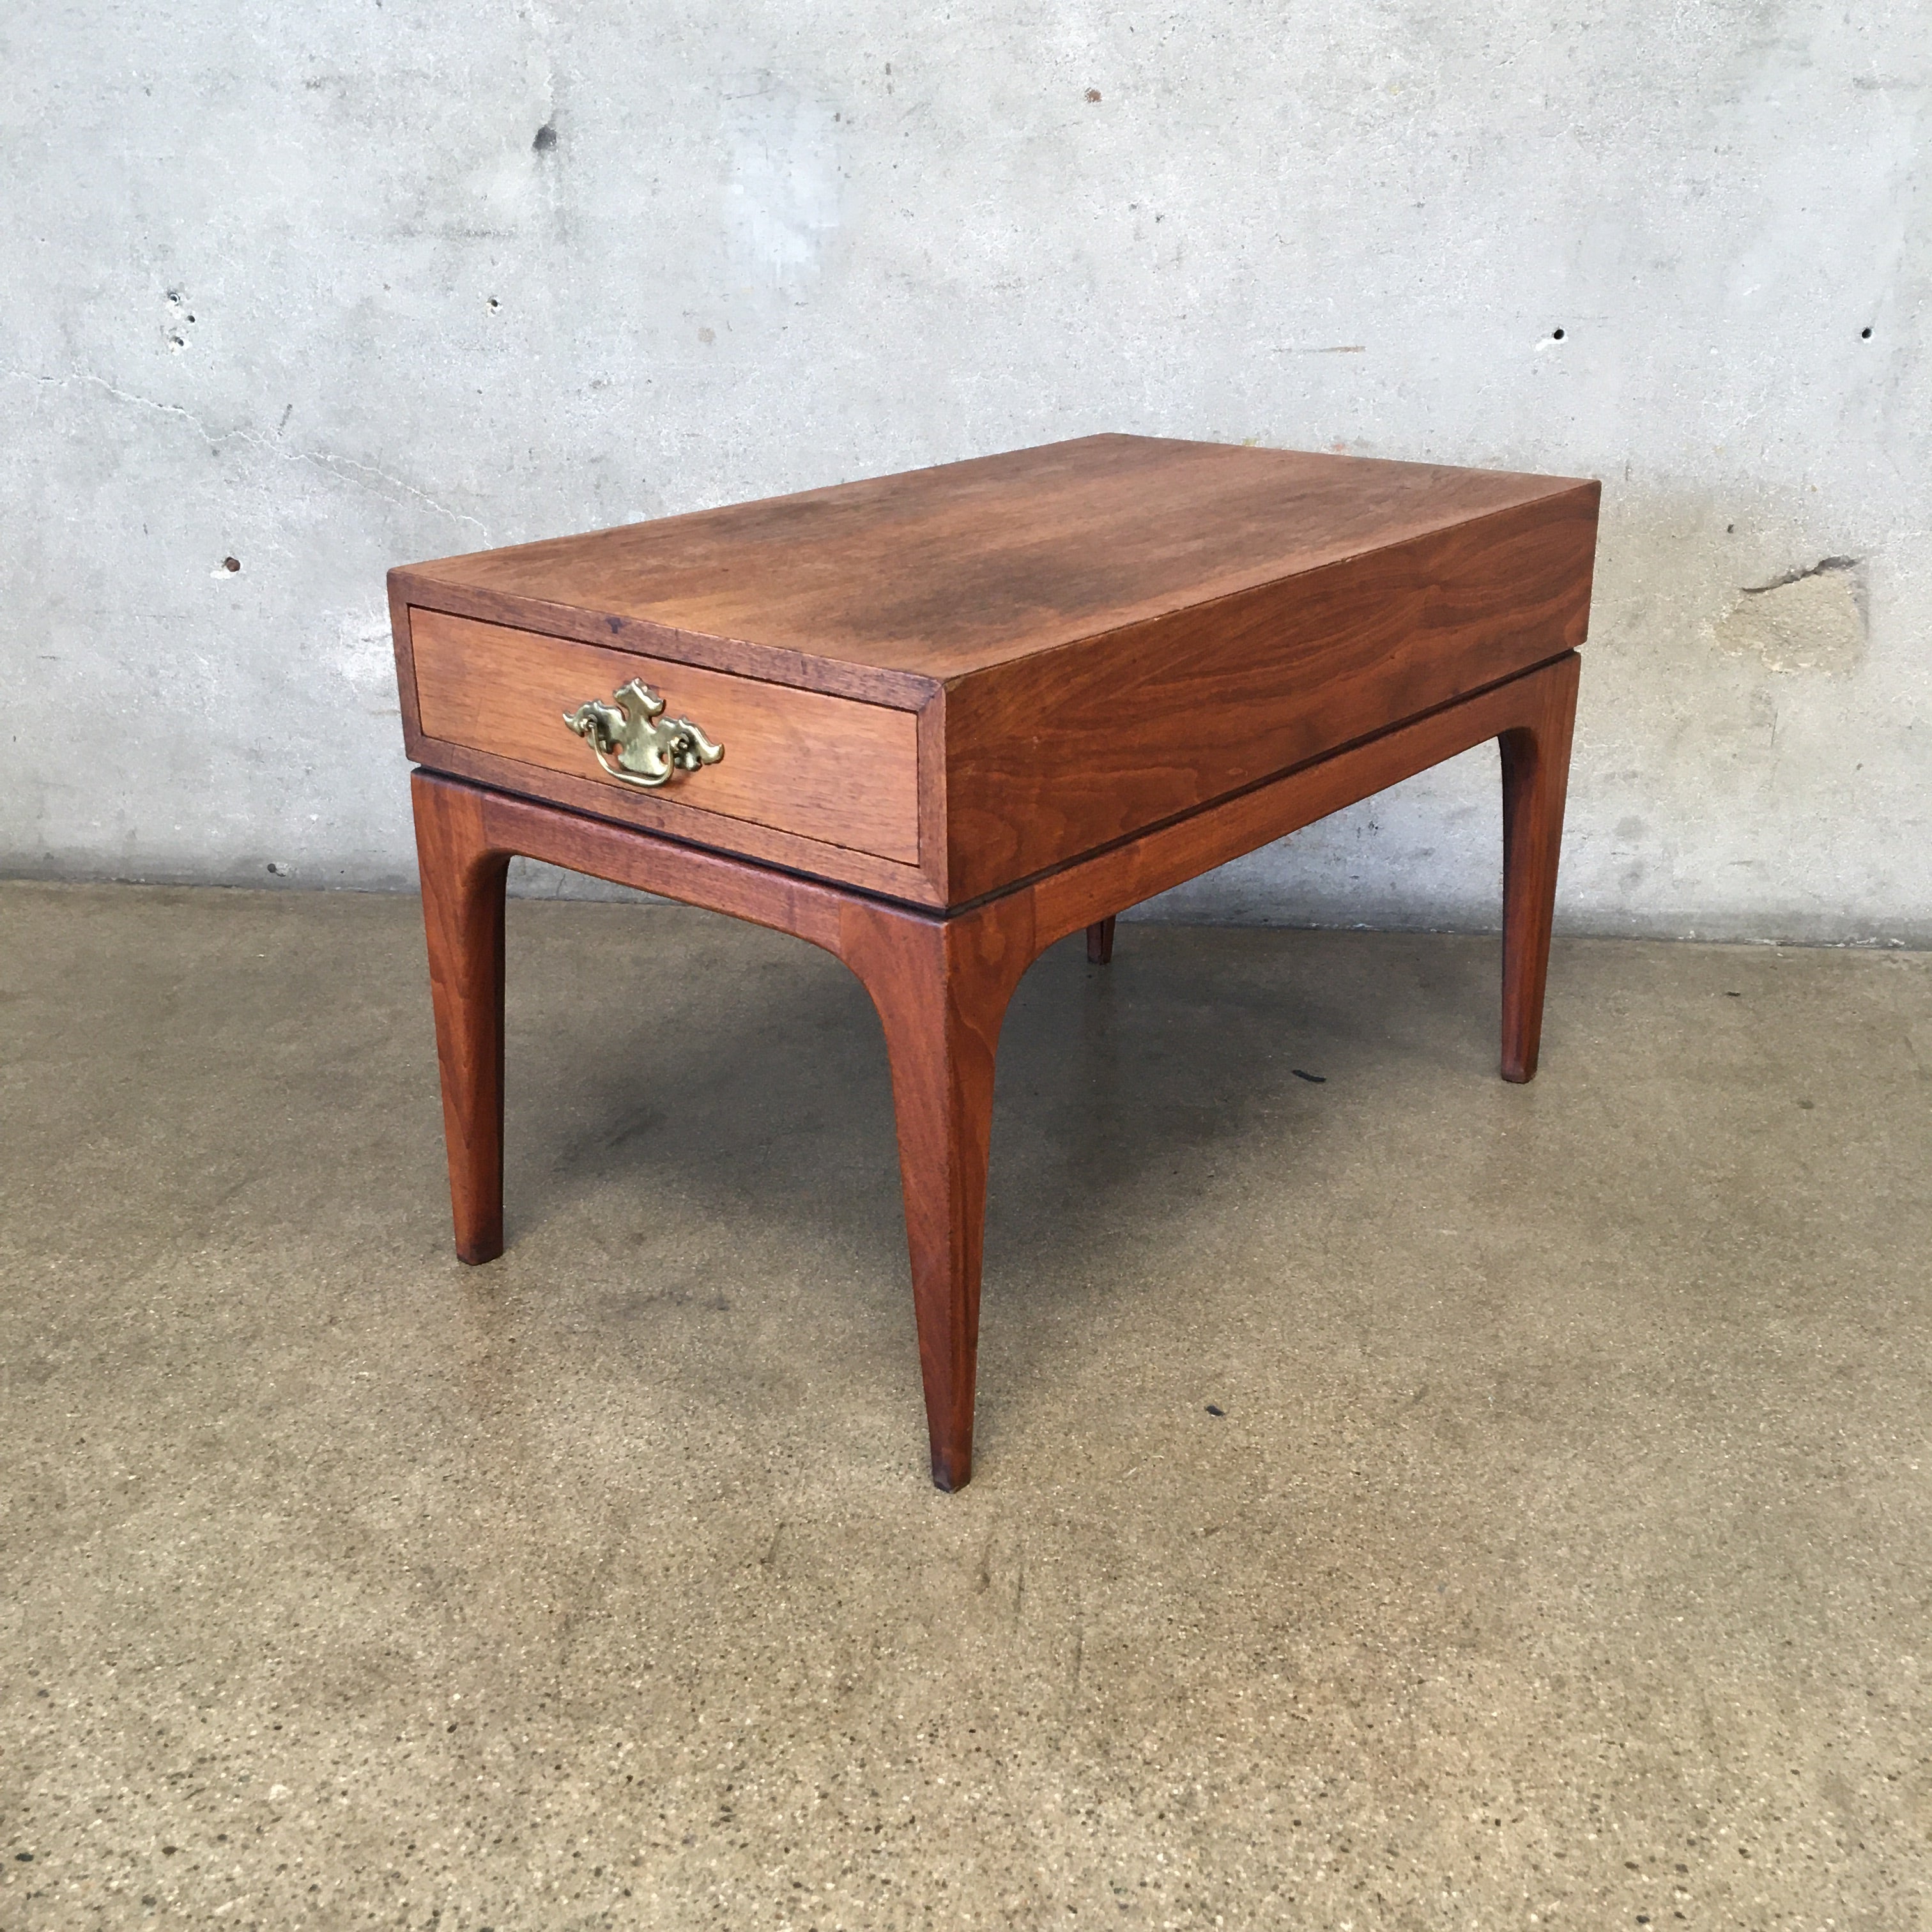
column 648, row 754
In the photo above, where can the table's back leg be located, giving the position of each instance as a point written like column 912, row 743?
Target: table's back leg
column 463, row 915
column 941, row 988
column 1536, row 775
column 1100, row 942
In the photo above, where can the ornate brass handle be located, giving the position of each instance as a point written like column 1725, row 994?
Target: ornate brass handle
column 648, row 753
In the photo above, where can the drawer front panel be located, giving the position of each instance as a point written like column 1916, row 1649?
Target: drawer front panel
column 827, row 769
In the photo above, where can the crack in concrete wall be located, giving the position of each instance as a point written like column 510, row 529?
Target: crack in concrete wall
column 347, row 468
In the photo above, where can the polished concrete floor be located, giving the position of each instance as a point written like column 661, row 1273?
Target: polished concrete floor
column 1403, row 1499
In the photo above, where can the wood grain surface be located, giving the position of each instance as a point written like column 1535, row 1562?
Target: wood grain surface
column 935, row 574
column 1060, row 754
column 822, row 768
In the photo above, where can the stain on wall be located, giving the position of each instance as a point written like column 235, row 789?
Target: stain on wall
column 780, row 189
column 1811, row 619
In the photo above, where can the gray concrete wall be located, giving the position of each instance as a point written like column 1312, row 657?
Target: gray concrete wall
column 325, row 288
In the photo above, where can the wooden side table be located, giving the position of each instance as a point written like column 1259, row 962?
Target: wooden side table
column 934, row 722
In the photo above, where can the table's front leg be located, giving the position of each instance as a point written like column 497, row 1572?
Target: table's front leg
column 463, row 879
column 941, row 988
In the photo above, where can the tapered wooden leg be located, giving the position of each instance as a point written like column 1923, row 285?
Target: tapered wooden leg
column 463, row 915
column 941, row 988
column 1100, row 942
column 1536, row 775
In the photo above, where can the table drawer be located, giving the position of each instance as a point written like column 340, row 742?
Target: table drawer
column 831, row 769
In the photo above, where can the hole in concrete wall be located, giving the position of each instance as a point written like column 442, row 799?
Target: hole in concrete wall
column 1865, row 335
column 231, row 564
column 546, row 138
column 1556, row 335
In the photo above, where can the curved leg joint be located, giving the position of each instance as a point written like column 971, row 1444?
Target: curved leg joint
column 941, row 988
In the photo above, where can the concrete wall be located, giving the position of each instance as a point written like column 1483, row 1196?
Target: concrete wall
column 324, row 288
